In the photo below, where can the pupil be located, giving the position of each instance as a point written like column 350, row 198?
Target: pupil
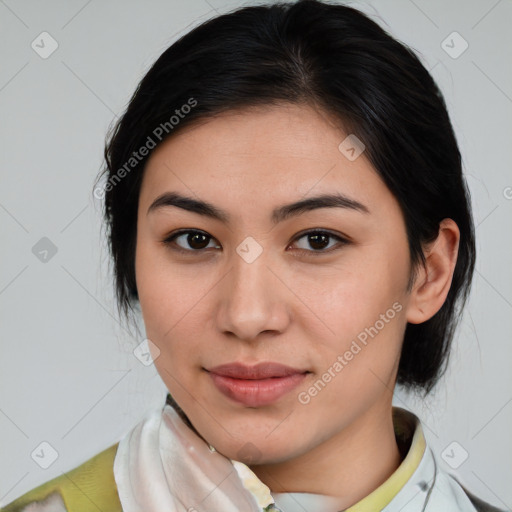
column 314, row 240
column 193, row 237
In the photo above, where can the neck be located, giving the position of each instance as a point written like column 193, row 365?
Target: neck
column 349, row 465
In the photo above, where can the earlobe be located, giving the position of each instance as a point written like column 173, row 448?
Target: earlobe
column 433, row 281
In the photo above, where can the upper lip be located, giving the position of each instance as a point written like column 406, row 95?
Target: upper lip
column 263, row 370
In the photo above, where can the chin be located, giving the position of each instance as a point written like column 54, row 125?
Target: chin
column 254, row 451
column 255, row 439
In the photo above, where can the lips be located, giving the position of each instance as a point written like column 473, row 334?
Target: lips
column 258, row 385
column 259, row 371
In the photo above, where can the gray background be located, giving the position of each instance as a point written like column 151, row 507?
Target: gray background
column 68, row 375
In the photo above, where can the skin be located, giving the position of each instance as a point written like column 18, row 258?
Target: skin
column 202, row 309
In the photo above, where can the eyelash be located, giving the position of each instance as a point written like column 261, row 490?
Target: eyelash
column 169, row 241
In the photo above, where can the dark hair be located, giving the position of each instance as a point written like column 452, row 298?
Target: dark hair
column 339, row 61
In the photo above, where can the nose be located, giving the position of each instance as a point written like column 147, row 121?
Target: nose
column 253, row 300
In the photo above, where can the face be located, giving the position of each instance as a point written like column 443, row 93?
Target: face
column 321, row 289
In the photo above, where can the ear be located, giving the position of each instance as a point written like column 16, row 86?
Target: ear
column 433, row 280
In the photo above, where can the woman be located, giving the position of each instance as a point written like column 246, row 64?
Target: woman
column 285, row 201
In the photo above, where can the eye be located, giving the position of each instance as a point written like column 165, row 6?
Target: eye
column 198, row 241
column 319, row 240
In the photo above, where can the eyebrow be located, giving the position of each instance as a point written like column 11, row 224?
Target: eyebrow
column 279, row 214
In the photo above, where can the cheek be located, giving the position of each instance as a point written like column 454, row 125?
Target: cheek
column 349, row 296
column 357, row 363
column 363, row 305
column 162, row 289
column 170, row 300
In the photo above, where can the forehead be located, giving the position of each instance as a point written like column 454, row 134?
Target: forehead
column 258, row 156
column 279, row 131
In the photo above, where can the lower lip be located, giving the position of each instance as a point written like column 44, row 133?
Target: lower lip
column 256, row 393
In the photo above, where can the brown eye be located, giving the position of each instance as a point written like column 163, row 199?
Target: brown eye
column 193, row 241
column 318, row 241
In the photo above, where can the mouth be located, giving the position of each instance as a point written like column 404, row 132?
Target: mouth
column 258, row 385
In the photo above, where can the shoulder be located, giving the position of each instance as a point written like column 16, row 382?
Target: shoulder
column 88, row 487
column 480, row 505
column 454, row 492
